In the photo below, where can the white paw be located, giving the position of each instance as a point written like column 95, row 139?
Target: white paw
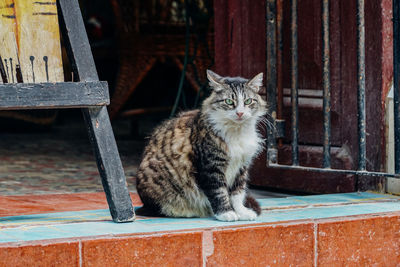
column 246, row 214
column 228, row 216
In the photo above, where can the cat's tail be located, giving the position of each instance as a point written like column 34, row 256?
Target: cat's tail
column 251, row 203
column 149, row 212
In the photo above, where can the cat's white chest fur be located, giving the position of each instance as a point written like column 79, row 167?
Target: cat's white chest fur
column 243, row 145
column 243, row 142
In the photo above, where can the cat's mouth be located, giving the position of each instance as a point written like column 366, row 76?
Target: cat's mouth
column 239, row 120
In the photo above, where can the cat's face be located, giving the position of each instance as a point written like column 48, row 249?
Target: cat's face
column 236, row 99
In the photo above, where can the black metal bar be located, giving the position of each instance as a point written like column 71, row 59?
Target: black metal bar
column 53, row 95
column 328, row 170
column 294, row 95
column 326, row 84
column 361, row 86
column 280, row 122
column 271, row 76
column 3, row 73
column 396, row 78
column 96, row 119
column 279, row 57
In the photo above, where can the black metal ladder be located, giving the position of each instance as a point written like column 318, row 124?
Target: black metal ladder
column 87, row 93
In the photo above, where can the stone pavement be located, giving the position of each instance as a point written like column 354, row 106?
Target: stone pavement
column 43, row 163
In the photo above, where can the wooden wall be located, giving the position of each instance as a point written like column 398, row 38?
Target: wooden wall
column 240, row 51
column 239, row 37
column 29, row 37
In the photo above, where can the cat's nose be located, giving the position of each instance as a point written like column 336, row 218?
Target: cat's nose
column 239, row 114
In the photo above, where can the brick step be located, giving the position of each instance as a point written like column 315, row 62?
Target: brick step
column 358, row 229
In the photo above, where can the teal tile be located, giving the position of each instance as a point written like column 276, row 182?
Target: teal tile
column 324, row 199
column 58, row 217
column 82, row 229
column 31, row 233
column 4, row 238
column 98, row 222
column 268, row 203
column 343, row 198
column 329, row 212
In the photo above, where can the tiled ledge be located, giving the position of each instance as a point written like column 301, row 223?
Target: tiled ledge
column 325, row 230
column 35, row 204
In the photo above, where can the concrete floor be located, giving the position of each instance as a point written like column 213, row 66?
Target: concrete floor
column 60, row 160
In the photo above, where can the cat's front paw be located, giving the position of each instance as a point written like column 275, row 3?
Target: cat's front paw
column 228, row 216
column 246, row 214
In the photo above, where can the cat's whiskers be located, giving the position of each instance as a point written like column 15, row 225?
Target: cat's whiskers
column 268, row 124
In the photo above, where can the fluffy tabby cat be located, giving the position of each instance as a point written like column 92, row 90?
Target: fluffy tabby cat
column 196, row 164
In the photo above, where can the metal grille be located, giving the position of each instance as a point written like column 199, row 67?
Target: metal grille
column 274, row 87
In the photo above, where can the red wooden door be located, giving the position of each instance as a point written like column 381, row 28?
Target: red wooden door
column 240, row 50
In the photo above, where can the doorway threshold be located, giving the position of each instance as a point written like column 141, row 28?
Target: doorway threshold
column 318, row 229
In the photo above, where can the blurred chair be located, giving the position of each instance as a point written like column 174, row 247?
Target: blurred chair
column 152, row 31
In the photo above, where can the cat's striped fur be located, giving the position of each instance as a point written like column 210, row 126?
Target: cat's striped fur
column 196, row 164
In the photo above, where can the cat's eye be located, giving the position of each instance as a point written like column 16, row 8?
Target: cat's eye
column 229, row 101
column 248, row 101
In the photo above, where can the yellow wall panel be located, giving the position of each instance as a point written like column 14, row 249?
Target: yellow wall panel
column 9, row 46
column 37, row 40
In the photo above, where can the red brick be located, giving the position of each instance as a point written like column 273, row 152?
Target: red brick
column 62, row 254
column 279, row 245
column 35, row 204
column 182, row 249
column 360, row 242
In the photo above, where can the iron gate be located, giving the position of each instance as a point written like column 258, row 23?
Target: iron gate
column 274, row 19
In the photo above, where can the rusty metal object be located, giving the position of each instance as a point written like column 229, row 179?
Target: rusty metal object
column 271, row 76
column 279, row 64
column 326, row 84
column 294, row 79
column 396, row 73
column 327, row 170
column 361, row 86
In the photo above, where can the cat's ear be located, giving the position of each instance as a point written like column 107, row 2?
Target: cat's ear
column 256, row 83
column 215, row 81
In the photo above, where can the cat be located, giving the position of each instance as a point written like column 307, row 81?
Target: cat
column 196, row 165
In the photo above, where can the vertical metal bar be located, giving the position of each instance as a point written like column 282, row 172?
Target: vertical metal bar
column 326, row 84
column 294, row 95
column 279, row 61
column 271, row 76
column 361, row 86
column 396, row 73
